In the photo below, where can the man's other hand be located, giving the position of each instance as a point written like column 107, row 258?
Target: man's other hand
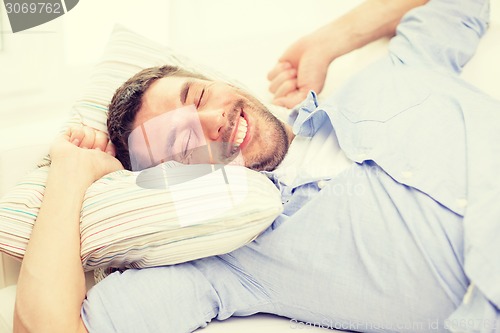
column 301, row 68
column 88, row 149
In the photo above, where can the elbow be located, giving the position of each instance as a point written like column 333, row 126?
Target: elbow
column 21, row 322
column 28, row 320
column 25, row 319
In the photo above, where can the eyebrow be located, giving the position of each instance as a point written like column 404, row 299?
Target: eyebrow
column 184, row 91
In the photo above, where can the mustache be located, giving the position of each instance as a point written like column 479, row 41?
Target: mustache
column 227, row 148
column 232, row 117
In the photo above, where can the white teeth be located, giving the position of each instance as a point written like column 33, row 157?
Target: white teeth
column 241, row 132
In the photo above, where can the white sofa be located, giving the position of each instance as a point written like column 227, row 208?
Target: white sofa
column 18, row 153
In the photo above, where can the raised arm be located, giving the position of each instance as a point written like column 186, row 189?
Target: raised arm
column 304, row 64
column 442, row 35
column 51, row 286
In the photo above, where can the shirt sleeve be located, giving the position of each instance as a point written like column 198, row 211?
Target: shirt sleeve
column 170, row 299
column 442, row 33
column 164, row 299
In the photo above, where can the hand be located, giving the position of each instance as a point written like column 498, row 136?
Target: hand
column 87, row 150
column 303, row 67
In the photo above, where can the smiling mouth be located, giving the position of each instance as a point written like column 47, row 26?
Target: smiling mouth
column 241, row 132
column 239, row 135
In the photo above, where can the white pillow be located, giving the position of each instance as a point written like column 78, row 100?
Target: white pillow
column 125, row 225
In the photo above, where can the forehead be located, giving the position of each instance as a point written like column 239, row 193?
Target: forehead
column 155, row 98
column 167, row 81
column 165, row 87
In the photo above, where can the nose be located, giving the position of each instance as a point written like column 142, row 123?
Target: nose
column 213, row 122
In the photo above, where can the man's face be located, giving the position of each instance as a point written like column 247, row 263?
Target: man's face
column 180, row 114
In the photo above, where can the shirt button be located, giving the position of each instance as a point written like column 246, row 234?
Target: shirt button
column 321, row 184
column 468, row 294
column 407, row 174
column 462, row 203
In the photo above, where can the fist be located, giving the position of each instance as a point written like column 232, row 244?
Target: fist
column 87, row 149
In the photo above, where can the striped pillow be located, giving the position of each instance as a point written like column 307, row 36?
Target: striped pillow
column 124, row 225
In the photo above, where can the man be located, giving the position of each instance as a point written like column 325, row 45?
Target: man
column 395, row 231
column 222, row 114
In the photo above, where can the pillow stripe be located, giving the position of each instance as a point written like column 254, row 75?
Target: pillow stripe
column 125, row 226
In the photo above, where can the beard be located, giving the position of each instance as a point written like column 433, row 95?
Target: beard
column 275, row 139
column 272, row 138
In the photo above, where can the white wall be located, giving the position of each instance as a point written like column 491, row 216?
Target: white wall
column 44, row 66
column 86, row 28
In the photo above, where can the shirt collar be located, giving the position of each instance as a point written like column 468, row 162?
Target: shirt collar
column 306, row 118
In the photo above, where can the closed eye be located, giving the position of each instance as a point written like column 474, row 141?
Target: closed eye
column 184, row 91
column 187, row 144
column 201, row 96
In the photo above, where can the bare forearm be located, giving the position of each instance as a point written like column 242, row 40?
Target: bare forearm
column 369, row 21
column 51, row 284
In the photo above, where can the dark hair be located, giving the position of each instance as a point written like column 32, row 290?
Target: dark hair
column 127, row 101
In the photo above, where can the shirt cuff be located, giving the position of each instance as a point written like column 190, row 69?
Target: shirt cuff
column 475, row 314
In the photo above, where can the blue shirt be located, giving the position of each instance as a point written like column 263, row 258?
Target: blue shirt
column 392, row 243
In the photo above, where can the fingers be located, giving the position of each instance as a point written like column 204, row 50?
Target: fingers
column 280, row 67
column 110, row 148
column 292, row 99
column 286, row 88
column 282, row 77
column 89, row 138
column 100, row 141
column 76, row 135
